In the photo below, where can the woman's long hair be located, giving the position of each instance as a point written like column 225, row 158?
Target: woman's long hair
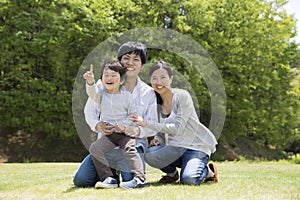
column 155, row 66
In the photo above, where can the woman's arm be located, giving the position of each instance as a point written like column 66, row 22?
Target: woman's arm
column 182, row 108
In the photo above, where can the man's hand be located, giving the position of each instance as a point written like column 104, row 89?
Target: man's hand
column 89, row 76
column 132, row 131
column 104, row 128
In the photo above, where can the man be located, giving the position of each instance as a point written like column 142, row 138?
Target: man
column 132, row 55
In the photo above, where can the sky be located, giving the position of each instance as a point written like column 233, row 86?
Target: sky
column 293, row 7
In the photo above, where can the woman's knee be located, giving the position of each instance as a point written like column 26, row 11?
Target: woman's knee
column 188, row 180
column 191, row 179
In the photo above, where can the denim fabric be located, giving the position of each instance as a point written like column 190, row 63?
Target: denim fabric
column 86, row 175
column 193, row 163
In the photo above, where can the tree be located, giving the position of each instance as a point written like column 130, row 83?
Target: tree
column 249, row 41
column 45, row 42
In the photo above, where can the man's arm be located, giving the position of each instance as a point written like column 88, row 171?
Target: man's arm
column 151, row 115
column 91, row 113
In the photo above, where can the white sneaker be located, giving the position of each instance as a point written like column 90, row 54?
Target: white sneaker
column 109, row 182
column 134, row 183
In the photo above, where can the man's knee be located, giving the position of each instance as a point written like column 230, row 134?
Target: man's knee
column 81, row 181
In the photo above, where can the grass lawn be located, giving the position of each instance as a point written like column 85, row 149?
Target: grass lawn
column 237, row 181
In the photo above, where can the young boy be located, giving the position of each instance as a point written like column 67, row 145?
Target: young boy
column 115, row 104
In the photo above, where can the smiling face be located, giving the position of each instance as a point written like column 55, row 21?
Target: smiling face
column 133, row 63
column 111, row 80
column 161, row 81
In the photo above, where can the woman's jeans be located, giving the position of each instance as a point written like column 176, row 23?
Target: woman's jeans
column 193, row 163
column 86, row 175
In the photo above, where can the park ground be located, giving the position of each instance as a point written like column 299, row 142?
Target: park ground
column 238, row 180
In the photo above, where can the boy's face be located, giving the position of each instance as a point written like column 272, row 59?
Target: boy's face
column 132, row 63
column 111, row 80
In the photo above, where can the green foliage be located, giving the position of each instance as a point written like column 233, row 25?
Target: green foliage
column 43, row 43
column 296, row 160
column 249, row 42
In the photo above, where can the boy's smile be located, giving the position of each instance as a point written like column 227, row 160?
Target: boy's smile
column 111, row 81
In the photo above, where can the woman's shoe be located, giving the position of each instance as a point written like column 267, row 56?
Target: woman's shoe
column 169, row 179
column 215, row 178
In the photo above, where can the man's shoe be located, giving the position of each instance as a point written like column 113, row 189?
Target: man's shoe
column 169, row 179
column 215, row 178
column 134, row 183
column 109, row 182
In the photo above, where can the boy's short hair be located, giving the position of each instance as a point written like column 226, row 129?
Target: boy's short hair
column 136, row 48
column 115, row 66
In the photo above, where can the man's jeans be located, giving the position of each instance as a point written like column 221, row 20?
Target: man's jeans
column 86, row 175
column 193, row 163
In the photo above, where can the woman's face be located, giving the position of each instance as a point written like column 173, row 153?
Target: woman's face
column 161, row 81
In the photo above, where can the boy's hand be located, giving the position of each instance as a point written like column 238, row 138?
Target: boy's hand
column 89, row 76
column 120, row 128
column 132, row 131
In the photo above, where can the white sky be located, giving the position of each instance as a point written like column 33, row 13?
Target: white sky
column 293, row 7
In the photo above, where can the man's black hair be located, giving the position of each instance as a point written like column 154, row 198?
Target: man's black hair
column 136, row 48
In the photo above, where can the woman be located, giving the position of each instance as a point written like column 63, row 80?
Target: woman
column 182, row 140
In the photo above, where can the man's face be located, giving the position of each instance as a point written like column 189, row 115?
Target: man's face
column 132, row 63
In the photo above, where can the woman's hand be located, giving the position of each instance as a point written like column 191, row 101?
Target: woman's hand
column 89, row 76
column 104, row 128
column 154, row 142
column 137, row 120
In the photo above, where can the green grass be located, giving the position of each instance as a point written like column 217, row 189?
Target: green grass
column 239, row 180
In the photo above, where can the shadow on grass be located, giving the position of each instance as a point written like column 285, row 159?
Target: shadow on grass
column 74, row 188
column 152, row 184
column 155, row 184
column 71, row 189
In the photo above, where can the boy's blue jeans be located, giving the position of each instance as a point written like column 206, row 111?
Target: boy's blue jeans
column 86, row 175
column 193, row 163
